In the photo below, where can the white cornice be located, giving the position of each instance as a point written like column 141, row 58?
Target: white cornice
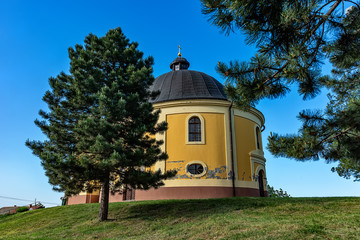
column 258, row 154
column 211, row 102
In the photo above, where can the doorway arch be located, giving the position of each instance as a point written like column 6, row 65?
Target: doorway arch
column 261, row 183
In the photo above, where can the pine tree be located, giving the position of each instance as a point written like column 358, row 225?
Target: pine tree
column 100, row 125
column 293, row 39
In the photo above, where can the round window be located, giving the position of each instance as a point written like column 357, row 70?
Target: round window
column 196, row 169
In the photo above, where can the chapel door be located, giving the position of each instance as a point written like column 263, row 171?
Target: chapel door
column 128, row 194
column 261, row 184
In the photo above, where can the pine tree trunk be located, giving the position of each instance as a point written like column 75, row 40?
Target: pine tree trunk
column 104, row 201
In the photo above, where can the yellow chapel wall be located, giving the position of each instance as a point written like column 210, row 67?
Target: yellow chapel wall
column 245, row 143
column 220, row 109
column 212, row 152
column 184, row 108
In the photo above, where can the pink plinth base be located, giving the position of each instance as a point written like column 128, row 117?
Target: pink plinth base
column 173, row 193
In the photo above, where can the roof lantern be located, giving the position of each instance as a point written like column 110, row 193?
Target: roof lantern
column 179, row 63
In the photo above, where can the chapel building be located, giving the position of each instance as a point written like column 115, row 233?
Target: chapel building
column 215, row 147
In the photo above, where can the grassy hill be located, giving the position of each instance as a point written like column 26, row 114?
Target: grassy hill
column 229, row 218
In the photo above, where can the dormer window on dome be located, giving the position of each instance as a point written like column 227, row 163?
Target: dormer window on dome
column 179, row 63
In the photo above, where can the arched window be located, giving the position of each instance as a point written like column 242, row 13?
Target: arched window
column 258, row 138
column 194, row 129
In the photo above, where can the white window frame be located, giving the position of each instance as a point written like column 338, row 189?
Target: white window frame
column 196, row 175
column 202, row 122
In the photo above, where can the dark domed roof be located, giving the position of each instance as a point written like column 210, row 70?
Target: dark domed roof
column 187, row 84
column 181, row 83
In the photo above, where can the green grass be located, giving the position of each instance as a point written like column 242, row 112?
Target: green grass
column 228, row 218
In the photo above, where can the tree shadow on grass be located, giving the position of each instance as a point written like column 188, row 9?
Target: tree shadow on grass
column 194, row 208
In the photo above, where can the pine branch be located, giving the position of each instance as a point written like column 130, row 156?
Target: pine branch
column 321, row 22
column 335, row 136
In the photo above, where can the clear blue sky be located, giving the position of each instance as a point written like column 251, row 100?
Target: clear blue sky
column 35, row 36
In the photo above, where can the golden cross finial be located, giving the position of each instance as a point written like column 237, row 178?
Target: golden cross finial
column 179, row 54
